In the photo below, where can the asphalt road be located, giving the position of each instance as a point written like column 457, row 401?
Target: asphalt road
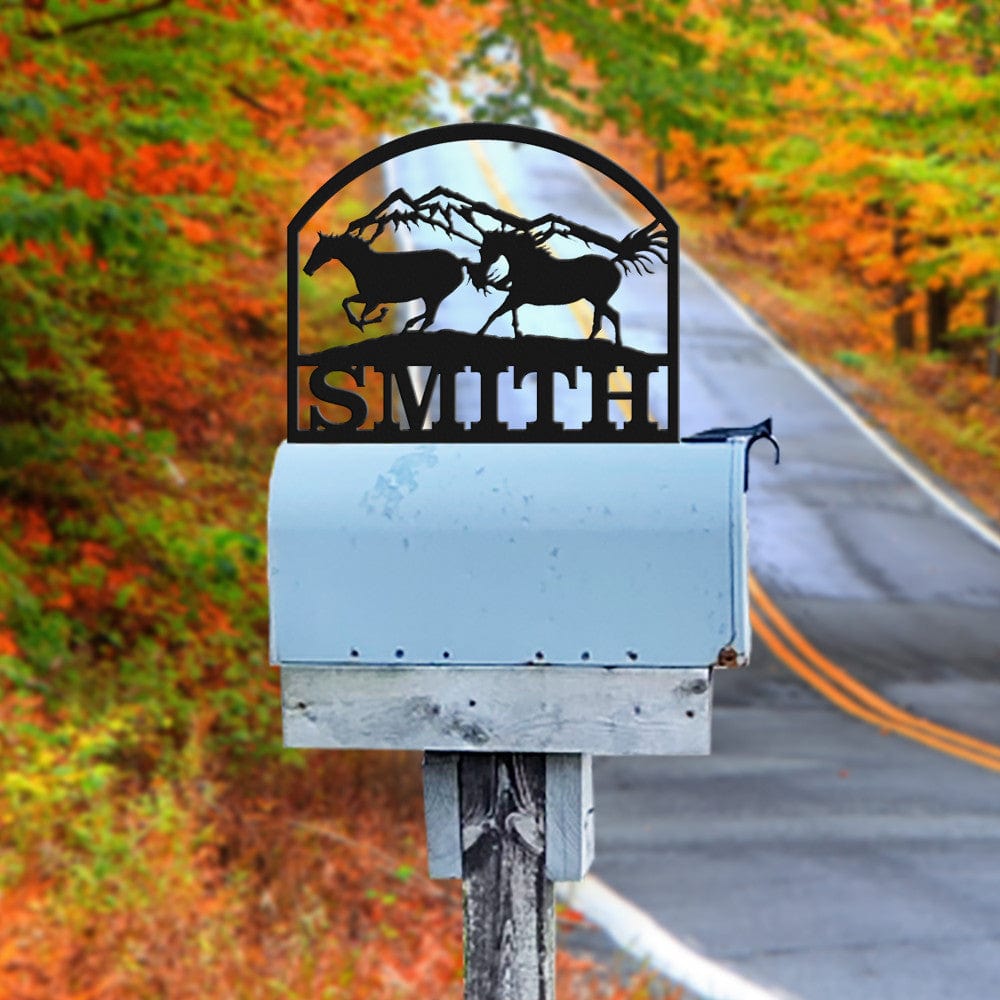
column 810, row 851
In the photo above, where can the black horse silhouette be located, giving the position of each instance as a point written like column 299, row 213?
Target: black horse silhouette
column 535, row 277
column 430, row 275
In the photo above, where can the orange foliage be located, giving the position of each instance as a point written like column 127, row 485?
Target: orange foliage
column 8, row 643
column 35, row 531
column 83, row 164
column 174, row 168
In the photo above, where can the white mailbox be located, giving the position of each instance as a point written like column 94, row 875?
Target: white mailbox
column 534, row 597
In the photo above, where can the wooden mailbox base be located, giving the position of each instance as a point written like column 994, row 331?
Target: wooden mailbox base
column 486, row 709
column 509, row 825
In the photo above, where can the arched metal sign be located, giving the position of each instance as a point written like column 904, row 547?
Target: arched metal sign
column 456, row 301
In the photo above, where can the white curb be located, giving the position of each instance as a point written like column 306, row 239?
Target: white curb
column 636, row 932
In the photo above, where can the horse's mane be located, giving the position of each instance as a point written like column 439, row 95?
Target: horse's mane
column 517, row 240
column 348, row 237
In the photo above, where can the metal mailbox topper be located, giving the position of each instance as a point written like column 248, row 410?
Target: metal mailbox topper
column 507, row 559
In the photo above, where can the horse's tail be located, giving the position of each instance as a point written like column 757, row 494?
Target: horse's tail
column 477, row 273
column 639, row 247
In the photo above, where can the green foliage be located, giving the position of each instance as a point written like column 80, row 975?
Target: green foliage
column 661, row 65
column 852, row 359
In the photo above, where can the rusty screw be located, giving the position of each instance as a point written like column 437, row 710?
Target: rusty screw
column 728, row 657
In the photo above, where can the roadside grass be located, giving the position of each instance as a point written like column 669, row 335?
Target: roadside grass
column 303, row 877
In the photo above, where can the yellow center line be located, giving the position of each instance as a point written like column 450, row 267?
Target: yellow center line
column 853, row 696
column 783, row 639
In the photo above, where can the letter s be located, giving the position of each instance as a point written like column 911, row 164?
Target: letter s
column 351, row 401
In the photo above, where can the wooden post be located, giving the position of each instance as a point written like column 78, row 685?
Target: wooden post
column 508, row 899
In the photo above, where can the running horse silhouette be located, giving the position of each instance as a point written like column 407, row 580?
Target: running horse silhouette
column 535, row 277
column 430, row 275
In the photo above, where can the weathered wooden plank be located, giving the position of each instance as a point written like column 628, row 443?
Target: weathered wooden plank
column 442, row 816
column 569, row 816
column 508, row 901
column 540, row 709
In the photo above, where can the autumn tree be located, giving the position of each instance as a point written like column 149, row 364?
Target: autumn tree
column 863, row 127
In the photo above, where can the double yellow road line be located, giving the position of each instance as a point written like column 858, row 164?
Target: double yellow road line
column 800, row 656
column 788, row 644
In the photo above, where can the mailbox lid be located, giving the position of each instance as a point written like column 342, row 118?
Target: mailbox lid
column 589, row 554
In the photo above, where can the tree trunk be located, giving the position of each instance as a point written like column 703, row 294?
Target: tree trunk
column 660, row 171
column 902, row 319
column 938, row 310
column 991, row 320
